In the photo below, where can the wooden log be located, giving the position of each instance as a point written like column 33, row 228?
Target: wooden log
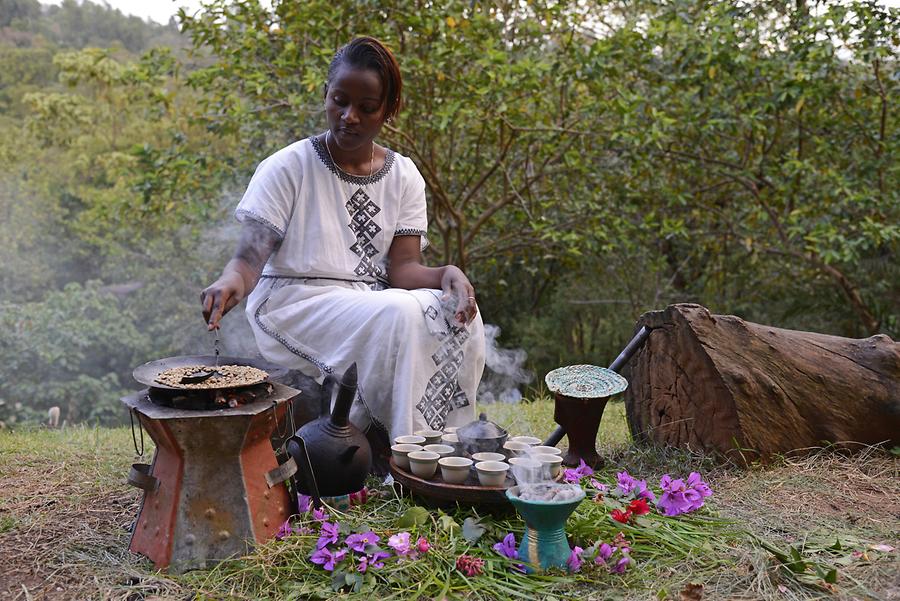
column 719, row 383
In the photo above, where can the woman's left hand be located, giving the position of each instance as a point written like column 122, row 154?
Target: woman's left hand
column 456, row 285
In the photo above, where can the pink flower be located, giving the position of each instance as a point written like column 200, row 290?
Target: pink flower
column 604, row 553
column 399, row 543
column 470, row 566
column 422, row 545
column 679, row 497
column 601, row 487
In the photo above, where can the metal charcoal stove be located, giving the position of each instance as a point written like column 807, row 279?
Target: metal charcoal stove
column 208, row 494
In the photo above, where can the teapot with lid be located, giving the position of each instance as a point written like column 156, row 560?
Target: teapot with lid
column 482, row 435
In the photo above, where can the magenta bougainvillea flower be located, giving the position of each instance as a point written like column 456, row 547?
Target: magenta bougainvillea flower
column 328, row 534
column 682, row 497
column 604, row 552
column 422, row 545
column 620, row 565
column 358, row 542
column 628, row 485
column 598, row 485
column 400, row 543
column 327, row 558
column 470, row 566
column 574, row 562
column 507, row 547
column 576, row 474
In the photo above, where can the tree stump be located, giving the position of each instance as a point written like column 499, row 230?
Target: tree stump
column 719, row 383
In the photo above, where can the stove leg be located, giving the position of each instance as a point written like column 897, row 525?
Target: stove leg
column 580, row 418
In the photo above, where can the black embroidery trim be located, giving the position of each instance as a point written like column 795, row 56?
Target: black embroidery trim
column 408, row 231
column 359, row 180
column 244, row 213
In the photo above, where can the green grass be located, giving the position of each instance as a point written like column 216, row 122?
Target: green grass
column 65, row 512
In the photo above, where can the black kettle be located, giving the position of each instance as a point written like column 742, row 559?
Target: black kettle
column 333, row 456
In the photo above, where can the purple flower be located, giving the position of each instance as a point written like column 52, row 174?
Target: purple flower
column 327, row 558
column 601, row 487
column 507, row 547
column 284, row 531
column 620, row 565
column 372, row 561
column 604, row 553
column 303, row 503
column 320, row 515
column 679, row 497
column 575, row 475
column 358, row 542
column 629, row 485
column 328, row 535
column 574, row 562
column 400, row 543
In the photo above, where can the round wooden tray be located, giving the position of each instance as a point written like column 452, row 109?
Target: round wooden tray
column 437, row 493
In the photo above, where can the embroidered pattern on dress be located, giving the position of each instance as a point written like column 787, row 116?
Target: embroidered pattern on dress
column 409, row 231
column 443, row 393
column 362, row 210
column 242, row 214
column 359, row 180
column 323, row 367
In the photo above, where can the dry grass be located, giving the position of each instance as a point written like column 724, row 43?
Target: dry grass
column 65, row 514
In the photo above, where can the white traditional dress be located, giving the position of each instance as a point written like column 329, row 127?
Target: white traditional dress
column 323, row 301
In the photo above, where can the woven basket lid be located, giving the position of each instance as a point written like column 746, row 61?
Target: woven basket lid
column 585, row 382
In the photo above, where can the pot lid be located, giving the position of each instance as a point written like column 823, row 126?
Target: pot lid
column 585, row 382
column 480, row 429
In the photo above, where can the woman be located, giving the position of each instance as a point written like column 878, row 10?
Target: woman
column 330, row 263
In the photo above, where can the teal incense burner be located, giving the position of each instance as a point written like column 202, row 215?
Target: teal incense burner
column 544, row 544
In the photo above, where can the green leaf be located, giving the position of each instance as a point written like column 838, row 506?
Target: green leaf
column 472, row 530
column 414, row 516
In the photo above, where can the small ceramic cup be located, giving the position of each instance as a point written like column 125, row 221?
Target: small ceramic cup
column 491, row 473
column 451, row 429
column 514, row 448
column 489, row 457
column 455, row 470
column 444, row 450
column 411, row 439
column 529, row 440
column 401, row 454
column 430, row 436
column 450, row 438
column 423, row 463
column 541, row 450
column 551, row 462
column 525, row 470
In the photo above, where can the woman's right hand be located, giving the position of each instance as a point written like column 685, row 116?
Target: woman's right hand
column 221, row 296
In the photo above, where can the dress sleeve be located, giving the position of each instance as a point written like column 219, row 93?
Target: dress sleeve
column 270, row 195
column 413, row 218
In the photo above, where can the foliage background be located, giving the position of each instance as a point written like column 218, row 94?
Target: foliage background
column 585, row 161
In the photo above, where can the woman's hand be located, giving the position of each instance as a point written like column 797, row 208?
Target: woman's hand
column 456, row 285
column 221, row 296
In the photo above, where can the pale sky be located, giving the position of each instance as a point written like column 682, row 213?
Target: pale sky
column 161, row 10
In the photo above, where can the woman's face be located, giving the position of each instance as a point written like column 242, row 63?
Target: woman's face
column 354, row 108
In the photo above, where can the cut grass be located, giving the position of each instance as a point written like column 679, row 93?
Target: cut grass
column 65, row 512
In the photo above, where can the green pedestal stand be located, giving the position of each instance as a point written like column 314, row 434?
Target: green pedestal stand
column 544, row 544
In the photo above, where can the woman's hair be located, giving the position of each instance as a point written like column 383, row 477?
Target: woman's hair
column 369, row 53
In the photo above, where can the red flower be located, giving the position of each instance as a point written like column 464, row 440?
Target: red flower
column 639, row 507
column 470, row 566
column 620, row 516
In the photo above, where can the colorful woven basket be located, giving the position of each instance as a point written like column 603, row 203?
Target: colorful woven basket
column 585, row 382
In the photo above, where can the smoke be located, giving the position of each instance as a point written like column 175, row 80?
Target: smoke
column 504, row 371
